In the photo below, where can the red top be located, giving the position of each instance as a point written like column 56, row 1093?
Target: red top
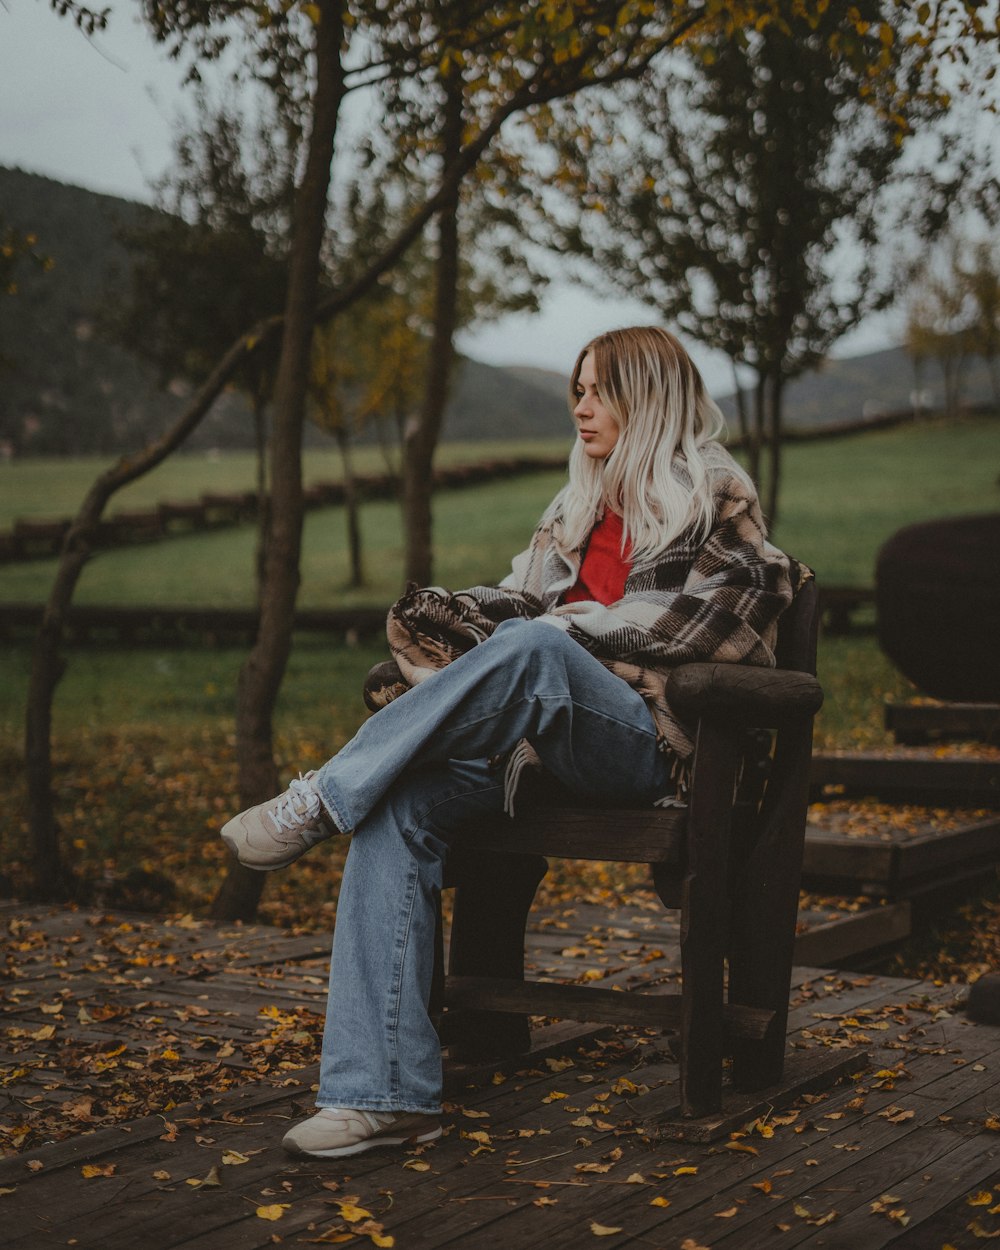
column 604, row 568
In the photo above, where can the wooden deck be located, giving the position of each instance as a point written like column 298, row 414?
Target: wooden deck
column 220, row 1026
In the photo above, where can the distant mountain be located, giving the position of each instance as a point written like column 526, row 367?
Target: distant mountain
column 863, row 386
column 63, row 389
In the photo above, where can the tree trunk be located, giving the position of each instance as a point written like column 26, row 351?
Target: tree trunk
column 775, row 399
column 49, row 877
column 352, row 510
column 261, row 675
column 757, row 431
column 741, row 406
column 263, row 510
column 421, row 439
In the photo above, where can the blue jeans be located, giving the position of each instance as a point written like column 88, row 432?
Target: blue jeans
column 413, row 778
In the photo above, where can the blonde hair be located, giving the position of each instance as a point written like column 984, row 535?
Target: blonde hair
column 658, row 475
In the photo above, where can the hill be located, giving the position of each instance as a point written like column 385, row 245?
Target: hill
column 67, row 390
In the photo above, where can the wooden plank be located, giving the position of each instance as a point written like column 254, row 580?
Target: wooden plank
column 832, row 857
column 805, row 1072
column 911, row 778
column 646, row 835
column 920, row 857
column 854, row 935
column 913, row 724
column 661, row 1011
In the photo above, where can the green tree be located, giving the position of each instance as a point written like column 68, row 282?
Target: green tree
column 742, row 198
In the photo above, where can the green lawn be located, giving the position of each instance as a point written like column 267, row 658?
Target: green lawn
column 143, row 739
column 56, row 487
column 841, row 500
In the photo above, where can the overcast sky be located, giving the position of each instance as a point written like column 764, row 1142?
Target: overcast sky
column 99, row 113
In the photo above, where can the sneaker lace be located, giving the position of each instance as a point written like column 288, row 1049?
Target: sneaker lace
column 298, row 808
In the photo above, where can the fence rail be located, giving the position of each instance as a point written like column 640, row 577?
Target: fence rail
column 43, row 539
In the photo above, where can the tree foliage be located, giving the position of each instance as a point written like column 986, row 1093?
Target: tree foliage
column 742, row 193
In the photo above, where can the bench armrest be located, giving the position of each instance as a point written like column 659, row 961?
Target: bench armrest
column 764, row 697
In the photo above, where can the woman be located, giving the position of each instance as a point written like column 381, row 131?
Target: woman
column 653, row 555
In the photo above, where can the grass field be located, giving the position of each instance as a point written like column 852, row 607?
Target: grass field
column 54, row 488
column 144, row 739
column 841, row 500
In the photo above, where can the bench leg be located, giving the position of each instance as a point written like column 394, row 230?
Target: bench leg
column 704, row 918
column 765, row 911
column 492, row 900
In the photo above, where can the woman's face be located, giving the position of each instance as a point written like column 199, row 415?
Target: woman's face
column 596, row 427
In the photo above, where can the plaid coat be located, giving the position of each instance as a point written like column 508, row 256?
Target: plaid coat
column 715, row 599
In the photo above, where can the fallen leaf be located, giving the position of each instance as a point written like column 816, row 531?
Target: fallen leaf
column 417, row 1165
column 475, row 1115
column 233, row 1158
column 742, row 1146
column 602, row 1230
column 594, row 1167
column 96, row 1169
column 6, row 1190
column 212, row 1178
column 352, row 1213
column 659, row 1202
column 726, row 1215
column 764, row 1186
column 273, row 1212
column 685, row 1171
column 34, row 1165
column 554, row 1096
column 982, row 1199
column 636, row 1179
column 161, row 1175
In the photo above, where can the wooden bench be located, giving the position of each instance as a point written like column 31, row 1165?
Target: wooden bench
column 730, row 861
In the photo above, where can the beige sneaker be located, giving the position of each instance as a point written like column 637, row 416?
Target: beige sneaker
column 334, row 1132
column 274, row 834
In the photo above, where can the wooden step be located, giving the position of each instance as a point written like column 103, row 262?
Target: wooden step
column 908, row 776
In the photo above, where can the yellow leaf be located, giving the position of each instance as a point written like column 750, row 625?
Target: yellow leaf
column 594, row 1167
column 743, row 1146
column 213, row 1178
column 559, row 1065
column 602, row 1230
column 685, row 1171
column 726, row 1215
column 417, row 1165
column 161, row 1175
column 233, row 1157
column 659, row 1202
column 352, row 1213
column 273, row 1212
column 96, row 1169
column 480, row 1136
column 636, row 1179
column 554, row 1096
column 982, row 1199
column 476, row 1115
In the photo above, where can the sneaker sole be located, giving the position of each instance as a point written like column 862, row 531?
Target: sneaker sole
column 369, row 1143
